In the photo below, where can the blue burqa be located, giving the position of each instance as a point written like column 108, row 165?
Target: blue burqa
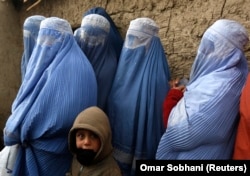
column 30, row 32
column 94, row 40
column 59, row 83
column 203, row 123
column 114, row 34
column 137, row 94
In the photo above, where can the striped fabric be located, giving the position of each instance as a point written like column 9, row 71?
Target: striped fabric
column 203, row 123
column 137, row 94
column 59, row 83
column 116, row 38
column 31, row 28
column 94, row 40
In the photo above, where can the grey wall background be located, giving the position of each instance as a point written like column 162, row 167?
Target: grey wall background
column 181, row 23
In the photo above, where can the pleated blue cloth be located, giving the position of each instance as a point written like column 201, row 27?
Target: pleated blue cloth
column 59, row 83
column 114, row 34
column 137, row 94
column 94, row 40
column 203, row 124
column 31, row 28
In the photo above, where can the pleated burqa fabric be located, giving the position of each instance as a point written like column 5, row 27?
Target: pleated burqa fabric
column 31, row 28
column 203, row 123
column 137, row 94
column 94, row 40
column 114, row 34
column 59, row 83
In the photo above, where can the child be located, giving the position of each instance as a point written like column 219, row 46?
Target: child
column 90, row 142
column 173, row 96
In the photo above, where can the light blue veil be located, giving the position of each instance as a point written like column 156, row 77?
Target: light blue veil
column 114, row 34
column 59, row 83
column 94, row 40
column 30, row 32
column 203, row 123
column 137, row 94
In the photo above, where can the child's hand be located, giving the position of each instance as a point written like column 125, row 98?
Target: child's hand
column 174, row 84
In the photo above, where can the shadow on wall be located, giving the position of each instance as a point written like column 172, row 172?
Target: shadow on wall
column 17, row 4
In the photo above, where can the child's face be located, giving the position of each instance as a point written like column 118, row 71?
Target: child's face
column 86, row 139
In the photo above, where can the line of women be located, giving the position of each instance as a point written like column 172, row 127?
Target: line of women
column 68, row 72
column 128, row 79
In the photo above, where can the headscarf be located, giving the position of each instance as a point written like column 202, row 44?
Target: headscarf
column 30, row 32
column 203, row 123
column 242, row 141
column 137, row 94
column 93, row 38
column 59, row 83
column 116, row 38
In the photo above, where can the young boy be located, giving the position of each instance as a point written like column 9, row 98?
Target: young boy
column 90, row 142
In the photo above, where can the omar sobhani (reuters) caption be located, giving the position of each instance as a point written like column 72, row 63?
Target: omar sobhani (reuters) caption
column 192, row 167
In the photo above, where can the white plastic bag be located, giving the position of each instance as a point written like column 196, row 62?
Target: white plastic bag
column 7, row 159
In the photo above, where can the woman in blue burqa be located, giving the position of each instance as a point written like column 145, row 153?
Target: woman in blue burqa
column 59, row 83
column 31, row 28
column 137, row 94
column 203, row 123
column 114, row 34
column 94, row 40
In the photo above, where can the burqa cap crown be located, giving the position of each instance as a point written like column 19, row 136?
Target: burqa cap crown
column 56, row 23
column 146, row 25
column 96, row 20
column 232, row 31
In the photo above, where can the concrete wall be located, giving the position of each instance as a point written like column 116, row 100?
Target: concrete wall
column 181, row 22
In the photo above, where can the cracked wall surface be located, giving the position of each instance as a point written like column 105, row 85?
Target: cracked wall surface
column 181, row 22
